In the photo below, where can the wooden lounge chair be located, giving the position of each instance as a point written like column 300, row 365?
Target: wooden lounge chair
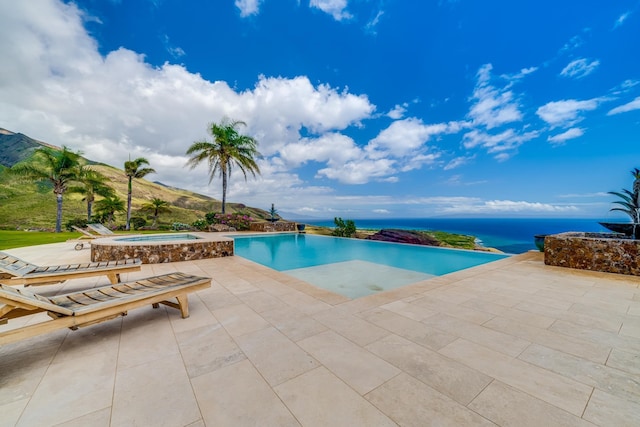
column 100, row 229
column 94, row 305
column 85, row 234
column 14, row 271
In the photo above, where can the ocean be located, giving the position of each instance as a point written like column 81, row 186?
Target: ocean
column 510, row 235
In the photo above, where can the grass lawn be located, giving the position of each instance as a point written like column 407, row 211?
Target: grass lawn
column 18, row 239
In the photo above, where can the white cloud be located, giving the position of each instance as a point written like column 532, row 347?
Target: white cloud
column 621, row 19
column 458, row 161
column 566, row 112
column 561, row 138
column 371, row 25
column 579, row 68
column 498, row 144
column 335, row 8
column 629, row 106
column 404, row 137
column 398, row 111
column 492, row 106
column 508, row 207
column 360, row 172
column 381, row 211
column 248, row 7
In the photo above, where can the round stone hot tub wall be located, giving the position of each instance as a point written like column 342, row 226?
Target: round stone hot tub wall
column 606, row 252
column 160, row 252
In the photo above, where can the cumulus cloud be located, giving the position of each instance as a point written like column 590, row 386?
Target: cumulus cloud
column 335, row 8
column 492, row 106
column 566, row 112
column 59, row 88
column 404, row 137
column 579, row 68
column 629, row 106
column 561, row 138
column 248, row 7
column 398, row 111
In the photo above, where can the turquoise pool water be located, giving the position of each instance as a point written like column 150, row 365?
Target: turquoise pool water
column 355, row 267
column 158, row 238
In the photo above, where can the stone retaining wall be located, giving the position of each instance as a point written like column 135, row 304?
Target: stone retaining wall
column 611, row 253
column 165, row 252
column 276, row 226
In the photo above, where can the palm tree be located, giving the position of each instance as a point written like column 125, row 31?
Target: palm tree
column 108, row 207
column 157, row 206
column 132, row 170
column 636, row 185
column 228, row 149
column 92, row 184
column 57, row 167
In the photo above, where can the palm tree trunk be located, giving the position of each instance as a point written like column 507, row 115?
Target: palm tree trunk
column 59, row 213
column 89, row 208
column 224, row 188
column 129, row 203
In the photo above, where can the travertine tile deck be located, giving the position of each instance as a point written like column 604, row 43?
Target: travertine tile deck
column 512, row 343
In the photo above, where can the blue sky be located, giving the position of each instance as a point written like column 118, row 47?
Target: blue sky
column 362, row 108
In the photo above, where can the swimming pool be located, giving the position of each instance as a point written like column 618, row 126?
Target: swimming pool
column 355, row 267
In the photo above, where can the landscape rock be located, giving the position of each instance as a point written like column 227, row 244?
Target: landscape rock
column 404, row 236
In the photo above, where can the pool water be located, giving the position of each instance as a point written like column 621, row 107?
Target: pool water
column 158, row 238
column 355, row 267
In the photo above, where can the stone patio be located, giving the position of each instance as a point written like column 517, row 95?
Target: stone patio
column 511, row 343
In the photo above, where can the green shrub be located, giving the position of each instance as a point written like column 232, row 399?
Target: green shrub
column 137, row 222
column 78, row 222
column 236, row 220
column 178, row 226
column 344, row 228
column 200, row 224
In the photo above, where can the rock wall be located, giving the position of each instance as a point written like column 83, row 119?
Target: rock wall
column 275, row 226
column 611, row 253
column 160, row 253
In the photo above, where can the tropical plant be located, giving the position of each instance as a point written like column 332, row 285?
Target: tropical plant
column 132, row 168
column 344, row 228
column 628, row 204
column 236, row 220
column 91, row 184
column 228, row 149
column 200, row 224
column 156, row 206
column 273, row 213
column 636, row 185
column 107, row 208
column 55, row 166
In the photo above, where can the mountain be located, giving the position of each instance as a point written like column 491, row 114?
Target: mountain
column 33, row 206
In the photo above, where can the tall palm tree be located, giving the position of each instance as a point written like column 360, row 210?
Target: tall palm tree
column 108, row 207
column 56, row 166
column 92, row 184
column 157, row 206
column 229, row 149
column 132, row 168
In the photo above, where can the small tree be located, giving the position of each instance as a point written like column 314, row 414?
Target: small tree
column 344, row 228
column 91, row 184
column 108, row 207
column 156, row 206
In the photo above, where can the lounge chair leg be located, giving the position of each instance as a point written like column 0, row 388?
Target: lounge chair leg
column 184, row 305
column 114, row 278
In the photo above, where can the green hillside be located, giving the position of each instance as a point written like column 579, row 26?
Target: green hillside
column 33, row 206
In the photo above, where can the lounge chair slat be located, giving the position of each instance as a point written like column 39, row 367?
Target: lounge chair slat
column 74, row 314
column 30, row 274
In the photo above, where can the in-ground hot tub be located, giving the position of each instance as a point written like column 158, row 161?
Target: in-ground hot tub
column 160, row 248
column 607, row 252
